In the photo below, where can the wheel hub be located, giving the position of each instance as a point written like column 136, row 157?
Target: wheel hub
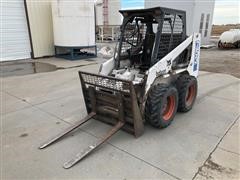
column 168, row 108
column 190, row 95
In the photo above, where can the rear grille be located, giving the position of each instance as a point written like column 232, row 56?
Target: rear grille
column 172, row 34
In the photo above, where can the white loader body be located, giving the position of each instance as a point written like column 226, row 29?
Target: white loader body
column 164, row 66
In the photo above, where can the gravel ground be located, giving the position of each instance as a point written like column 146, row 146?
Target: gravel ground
column 221, row 61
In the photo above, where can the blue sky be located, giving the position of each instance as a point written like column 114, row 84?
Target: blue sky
column 126, row 4
column 225, row 12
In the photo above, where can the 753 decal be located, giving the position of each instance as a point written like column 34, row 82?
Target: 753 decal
column 196, row 55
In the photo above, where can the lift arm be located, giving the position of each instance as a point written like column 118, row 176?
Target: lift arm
column 164, row 66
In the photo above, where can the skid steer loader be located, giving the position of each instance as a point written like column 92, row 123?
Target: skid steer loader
column 151, row 76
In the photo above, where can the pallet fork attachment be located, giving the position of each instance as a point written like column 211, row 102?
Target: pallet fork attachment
column 65, row 132
column 105, row 98
column 78, row 157
column 91, row 148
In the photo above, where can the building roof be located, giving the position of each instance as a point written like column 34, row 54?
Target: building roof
column 155, row 10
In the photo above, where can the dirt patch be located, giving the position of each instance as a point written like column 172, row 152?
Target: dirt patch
column 221, row 61
column 219, row 29
column 212, row 170
column 214, row 166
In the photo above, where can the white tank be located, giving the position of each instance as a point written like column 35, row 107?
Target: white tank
column 107, row 12
column 231, row 36
column 73, row 23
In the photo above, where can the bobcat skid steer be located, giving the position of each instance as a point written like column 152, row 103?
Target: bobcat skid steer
column 151, row 76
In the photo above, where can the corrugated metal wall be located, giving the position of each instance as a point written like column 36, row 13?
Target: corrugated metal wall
column 40, row 20
column 14, row 35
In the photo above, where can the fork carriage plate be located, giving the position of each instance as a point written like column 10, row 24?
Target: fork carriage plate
column 109, row 100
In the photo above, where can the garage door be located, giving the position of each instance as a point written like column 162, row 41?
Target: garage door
column 15, row 43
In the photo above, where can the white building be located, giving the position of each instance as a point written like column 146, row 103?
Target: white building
column 199, row 14
column 27, row 27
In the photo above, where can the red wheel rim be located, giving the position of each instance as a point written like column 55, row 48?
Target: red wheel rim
column 190, row 95
column 169, row 107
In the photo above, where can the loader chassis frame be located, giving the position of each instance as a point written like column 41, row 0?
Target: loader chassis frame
column 121, row 102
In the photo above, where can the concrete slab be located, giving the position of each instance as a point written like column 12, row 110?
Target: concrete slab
column 178, row 150
column 211, row 83
column 24, row 130
column 204, row 73
column 69, row 108
column 165, row 148
column 11, row 103
column 222, row 165
column 231, row 142
column 39, row 88
column 212, row 117
column 231, row 93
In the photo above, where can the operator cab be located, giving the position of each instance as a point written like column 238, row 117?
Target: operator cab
column 137, row 42
column 147, row 35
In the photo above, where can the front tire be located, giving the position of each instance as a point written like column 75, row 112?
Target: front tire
column 161, row 105
column 187, row 91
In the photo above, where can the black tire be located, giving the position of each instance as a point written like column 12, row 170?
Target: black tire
column 219, row 45
column 161, row 105
column 238, row 44
column 187, row 92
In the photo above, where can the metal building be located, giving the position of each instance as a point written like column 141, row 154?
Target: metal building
column 26, row 29
column 15, row 43
column 199, row 14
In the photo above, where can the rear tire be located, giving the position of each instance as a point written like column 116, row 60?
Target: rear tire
column 219, row 45
column 187, row 91
column 161, row 105
column 238, row 44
